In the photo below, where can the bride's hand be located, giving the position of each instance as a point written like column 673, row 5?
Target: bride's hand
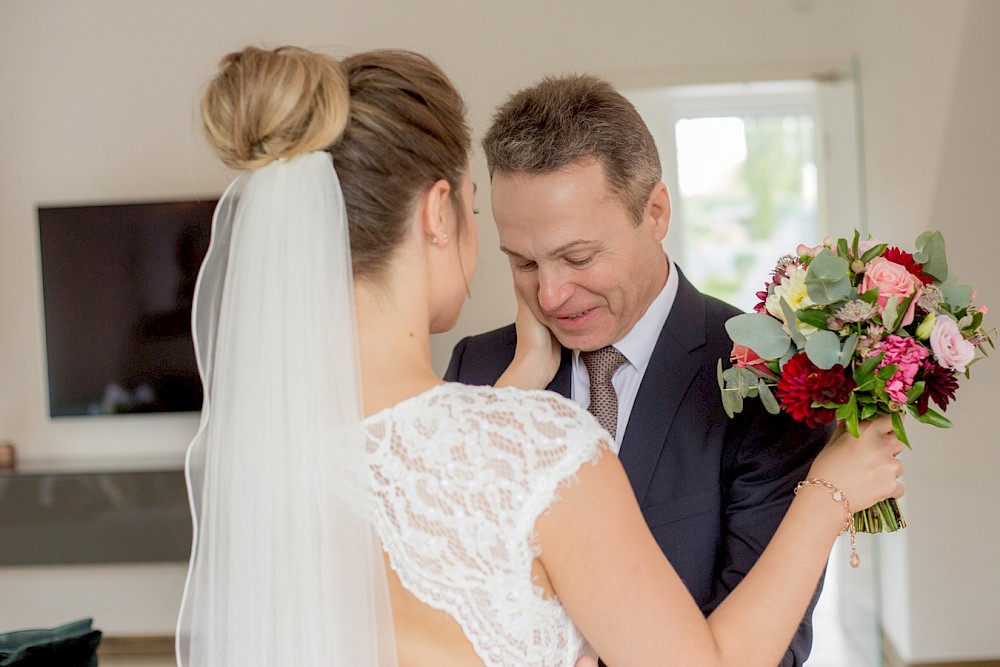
column 537, row 356
column 865, row 468
column 586, row 661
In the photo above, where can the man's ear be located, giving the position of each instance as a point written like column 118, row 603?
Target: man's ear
column 434, row 211
column 658, row 210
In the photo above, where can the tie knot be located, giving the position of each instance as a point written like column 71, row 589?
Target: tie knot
column 601, row 364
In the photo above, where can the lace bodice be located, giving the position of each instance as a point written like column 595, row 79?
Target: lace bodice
column 460, row 475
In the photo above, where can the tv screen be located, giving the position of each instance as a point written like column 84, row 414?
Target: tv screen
column 117, row 282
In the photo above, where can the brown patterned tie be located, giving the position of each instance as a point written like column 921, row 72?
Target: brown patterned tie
column 601, row 365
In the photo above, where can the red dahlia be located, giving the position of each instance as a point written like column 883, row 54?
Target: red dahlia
column 803, row 383
column 939, row 386
column 906, row 260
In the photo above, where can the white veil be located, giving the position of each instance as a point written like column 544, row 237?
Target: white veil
column 286, row 568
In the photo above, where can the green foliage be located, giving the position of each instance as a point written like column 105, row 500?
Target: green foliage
column 793, row 325
column 761, row 333
column 767, row 398
column 931, row 417
column 899, row 429
column 957, row 296
column 828, row 278
column 816, row 317
column 931, row 253
column 823, row 349
column 847, row 352
column 873, row 252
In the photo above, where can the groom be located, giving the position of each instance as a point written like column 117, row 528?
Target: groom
column 582, row 213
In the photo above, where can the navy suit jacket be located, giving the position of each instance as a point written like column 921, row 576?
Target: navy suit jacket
column 712, row 489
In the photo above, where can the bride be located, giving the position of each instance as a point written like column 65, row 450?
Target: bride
column 351, row 508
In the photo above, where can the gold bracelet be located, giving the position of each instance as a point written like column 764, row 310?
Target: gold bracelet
column 840, row 497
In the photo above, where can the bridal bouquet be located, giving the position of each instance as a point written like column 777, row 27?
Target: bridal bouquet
column 851, row 330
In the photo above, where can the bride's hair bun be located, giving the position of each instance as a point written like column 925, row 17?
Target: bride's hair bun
column 265, row 105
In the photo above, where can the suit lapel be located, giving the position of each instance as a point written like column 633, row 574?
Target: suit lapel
column 562, row 383
column 670, row 372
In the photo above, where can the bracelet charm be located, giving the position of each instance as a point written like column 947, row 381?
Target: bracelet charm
column 840, row 497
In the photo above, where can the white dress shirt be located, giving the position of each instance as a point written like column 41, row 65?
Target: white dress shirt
column 637, row 346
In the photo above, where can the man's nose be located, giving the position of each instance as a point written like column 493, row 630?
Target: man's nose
column 553, row 288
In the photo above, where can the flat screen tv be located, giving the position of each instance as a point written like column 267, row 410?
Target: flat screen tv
column 117, row 283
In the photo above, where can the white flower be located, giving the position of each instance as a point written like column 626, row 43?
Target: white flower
column 793, row 290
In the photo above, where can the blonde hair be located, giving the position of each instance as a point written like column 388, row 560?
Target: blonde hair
column 391, row 119
column 266, row 105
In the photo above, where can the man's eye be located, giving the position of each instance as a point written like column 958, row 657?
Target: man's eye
column 526, row 266
column 582, row 261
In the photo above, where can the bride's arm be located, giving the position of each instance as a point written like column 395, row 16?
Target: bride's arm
column 536, row 357
column 632, row 607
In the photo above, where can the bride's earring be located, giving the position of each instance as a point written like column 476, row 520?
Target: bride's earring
column 442, row 240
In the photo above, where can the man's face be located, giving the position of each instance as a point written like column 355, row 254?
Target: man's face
column 584, row 268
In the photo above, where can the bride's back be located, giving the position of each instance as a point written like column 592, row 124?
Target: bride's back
column 459, row 476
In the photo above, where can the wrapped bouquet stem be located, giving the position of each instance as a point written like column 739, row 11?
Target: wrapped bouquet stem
column 854, row 329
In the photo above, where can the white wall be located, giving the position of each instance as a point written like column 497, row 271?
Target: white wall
column 97, row 103
column 931, row 103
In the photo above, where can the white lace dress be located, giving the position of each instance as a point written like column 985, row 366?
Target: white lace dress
column 460, row 475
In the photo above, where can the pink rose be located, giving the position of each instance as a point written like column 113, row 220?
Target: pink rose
column 891, row 279
column 950, row 348
column 744, row 357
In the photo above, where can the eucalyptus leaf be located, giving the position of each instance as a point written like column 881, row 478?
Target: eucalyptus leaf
column 718, row 375
column 761, row 333
column 768, row 400
column 793, row 324
column 744, row 380
column 828, row 278
column 957, row 296
column 732, row 402
column 825, row 292
column 931, row 244
column 827, row 266
column 789, row 353
column 847, row 352
column 823, row 349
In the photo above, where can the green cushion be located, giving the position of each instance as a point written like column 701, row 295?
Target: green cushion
column 71, row 645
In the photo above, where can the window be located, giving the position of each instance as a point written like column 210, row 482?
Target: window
column 752, row 172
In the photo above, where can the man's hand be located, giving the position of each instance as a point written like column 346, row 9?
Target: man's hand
column 536, row 358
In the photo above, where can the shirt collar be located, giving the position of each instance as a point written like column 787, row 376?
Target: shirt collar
column 637, row 345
